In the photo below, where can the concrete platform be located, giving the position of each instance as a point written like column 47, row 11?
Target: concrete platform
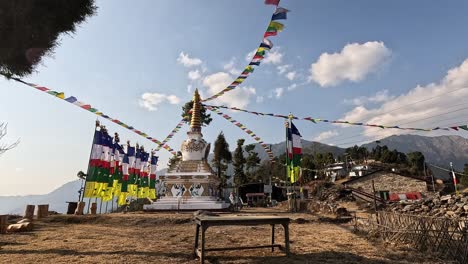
column 188, row 204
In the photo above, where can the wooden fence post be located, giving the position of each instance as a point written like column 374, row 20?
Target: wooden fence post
column 29, row 212
column 42, row 211
column 80, row 208
column 93, row 208
column 3, row 223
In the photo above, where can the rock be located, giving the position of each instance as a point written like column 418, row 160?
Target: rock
column 445, row 198
column 204, row 213
column 341, row 211
column 300, row 220
column 407, row 208
column 465, row 207
column 23, row 227
column 24, row 220
column 450, row 213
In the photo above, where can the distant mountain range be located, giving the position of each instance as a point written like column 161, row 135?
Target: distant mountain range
column 439, row 150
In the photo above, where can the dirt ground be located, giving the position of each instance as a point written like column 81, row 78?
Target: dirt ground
column 169, row 237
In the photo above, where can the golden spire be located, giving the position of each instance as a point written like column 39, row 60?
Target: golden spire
column 195, row 123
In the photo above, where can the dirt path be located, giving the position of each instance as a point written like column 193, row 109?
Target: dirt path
column 168, row 238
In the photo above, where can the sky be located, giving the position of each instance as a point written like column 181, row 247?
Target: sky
column 140, row 61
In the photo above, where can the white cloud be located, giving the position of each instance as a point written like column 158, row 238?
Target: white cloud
column 185, row 60
column 230, row 67
column 194, row 75
column 259, row 99
column 189, row 88
column 380, row 96
column 151, row 101
column 292, row 87
column 353, row 63
column 291, row 75
column 278, row 92
column 326, row 135
column 239, row 97
column 19, row 169
column 250, row 55
column 283, row 68
column 405, row 110
column 274, row 57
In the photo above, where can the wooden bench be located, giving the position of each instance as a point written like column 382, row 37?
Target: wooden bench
column 204, row 222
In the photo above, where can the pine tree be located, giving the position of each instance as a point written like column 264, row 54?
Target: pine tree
column 239, row 162
column 222, row 157
column 205, row 118
column 252, row 161
column 464, row 177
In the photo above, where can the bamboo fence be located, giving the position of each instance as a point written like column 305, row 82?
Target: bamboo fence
column 445, row 237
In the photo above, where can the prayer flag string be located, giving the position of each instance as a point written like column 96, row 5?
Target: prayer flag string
column 73, row 100
column 172, row 133
column 316, row 120
column 245, row 129
column 272, row 30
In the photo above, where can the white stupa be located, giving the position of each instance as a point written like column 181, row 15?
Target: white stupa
column 190, row 184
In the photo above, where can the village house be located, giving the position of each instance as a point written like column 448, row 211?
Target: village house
column 389, row 184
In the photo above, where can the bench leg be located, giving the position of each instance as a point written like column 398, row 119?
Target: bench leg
column 286, row 238
column 202, row 257
column 272, row 237
column 195, row 247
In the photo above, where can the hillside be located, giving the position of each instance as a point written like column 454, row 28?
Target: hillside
column 439, row 150
column 56, row 199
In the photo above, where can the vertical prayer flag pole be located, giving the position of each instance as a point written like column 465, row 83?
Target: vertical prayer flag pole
column 454, row 178
column 97, row 124
column 286, row 124
column 291, row 168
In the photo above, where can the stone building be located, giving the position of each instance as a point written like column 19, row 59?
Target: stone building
column 385, row 181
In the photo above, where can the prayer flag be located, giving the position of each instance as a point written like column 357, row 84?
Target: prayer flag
column 266, row 43
column 294, row 152
column 270, row 34
column 275, row 26
column 152, row 181
column 272, row 2
column 93, row 166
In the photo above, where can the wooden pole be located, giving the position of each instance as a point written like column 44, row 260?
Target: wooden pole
column 3, row 223
column 375, row 202
column 29, row 212
column 80, row 208
column 93, row 208
column 42, row 211
column 97, row 124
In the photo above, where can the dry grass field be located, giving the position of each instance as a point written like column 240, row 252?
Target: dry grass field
column 168, row 238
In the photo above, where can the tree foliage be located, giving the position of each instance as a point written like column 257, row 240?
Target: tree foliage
column 205, row 117
column 3, row 146
column 252, row 162
column 222, row 157
column 464, row 177
column 239, row 163
column 416, row 161
column 30, row 30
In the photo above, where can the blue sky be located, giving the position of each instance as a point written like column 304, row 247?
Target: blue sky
column 355, row 60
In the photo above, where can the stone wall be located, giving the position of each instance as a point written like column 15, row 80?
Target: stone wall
column 388, row 181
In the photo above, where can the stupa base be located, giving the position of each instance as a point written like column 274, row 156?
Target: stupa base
column 186, row 204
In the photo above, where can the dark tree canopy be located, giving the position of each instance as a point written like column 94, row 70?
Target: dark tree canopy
column 464, row 177
column 238, row 163
column 222, row 157
column 205, row 117
column 30, row 29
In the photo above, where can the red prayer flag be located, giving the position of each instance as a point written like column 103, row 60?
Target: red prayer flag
column 272, row 2
column 270, row 33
